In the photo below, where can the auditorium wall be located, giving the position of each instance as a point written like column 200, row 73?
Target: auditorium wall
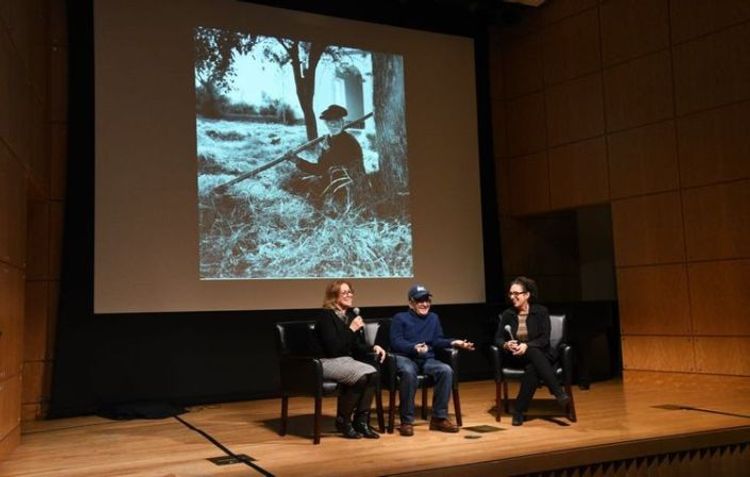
column 32, row 154
column 643, row 107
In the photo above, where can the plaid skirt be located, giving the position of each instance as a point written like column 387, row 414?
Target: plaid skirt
column 345, row 369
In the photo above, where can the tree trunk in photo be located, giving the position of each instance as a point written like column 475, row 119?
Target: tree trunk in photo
column 390, row 123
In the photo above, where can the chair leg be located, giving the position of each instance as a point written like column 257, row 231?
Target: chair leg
column 424, row 402
column 498, row 401
column 571, row 405
column 379, row 409
column 457, row 406
column 284, row 414
column 506, row 403
column 391, row 410
column 316, row 422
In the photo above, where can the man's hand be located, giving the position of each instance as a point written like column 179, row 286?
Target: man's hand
column 463, row 344
column 421, row 348
column 379, row 352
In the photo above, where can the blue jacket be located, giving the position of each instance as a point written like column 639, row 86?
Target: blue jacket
column 408, row 329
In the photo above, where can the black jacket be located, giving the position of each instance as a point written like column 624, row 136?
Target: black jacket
column 336, row 338
column 537, row 324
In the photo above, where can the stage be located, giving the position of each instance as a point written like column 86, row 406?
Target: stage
column 670, row 424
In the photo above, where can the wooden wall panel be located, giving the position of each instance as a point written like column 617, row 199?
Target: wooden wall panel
column 648, row 230
column 502, row 181
column 10, row 404
column 559, row 9
column 37, row 243
column 523, row 66
column 714, row 145
column 11, row 321
column 10, row 442
column 578, row 174
column 35, row 322
column 712, row 70
column 526, row 132
column 35, row 387
column 529, row 178
column 5, row 70
column 12, row 209
column 571, row 47
column 58, row 153
column 643, row 160
column 56, row 224
column 691, row 18
column 658, row 353
column 58, row 84
column 723, row 355
column 639, row 92
column 720, row 297
column 499, row 142
column 654, row 300
column 575, row 110
column 717, row 221
column 632, row 28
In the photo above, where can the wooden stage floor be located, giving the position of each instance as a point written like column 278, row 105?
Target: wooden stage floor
column 615, row 418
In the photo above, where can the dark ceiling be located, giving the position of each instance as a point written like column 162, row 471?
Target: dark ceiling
column 464, row 17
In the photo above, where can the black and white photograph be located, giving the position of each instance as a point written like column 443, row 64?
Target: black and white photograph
column 302, row 159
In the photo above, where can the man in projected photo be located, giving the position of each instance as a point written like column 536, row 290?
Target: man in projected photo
column 415, row 335
column 339, row 173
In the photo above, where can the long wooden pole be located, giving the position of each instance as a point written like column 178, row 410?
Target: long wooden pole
column 220, row 189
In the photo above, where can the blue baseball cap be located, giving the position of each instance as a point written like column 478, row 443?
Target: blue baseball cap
column 419, row 292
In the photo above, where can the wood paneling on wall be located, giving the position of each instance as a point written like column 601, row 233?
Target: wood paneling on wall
column 717, row 221
column 632, row 28
column 639, row 92
column 648, row 230
column 656, row 126
column 575, row 110
column 719, row 297
column 31, row 189
column 654, row 300
column 578, row 174
column 643, row 160
column 714, row 145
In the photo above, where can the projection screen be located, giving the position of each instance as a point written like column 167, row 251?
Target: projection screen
column 247, row 155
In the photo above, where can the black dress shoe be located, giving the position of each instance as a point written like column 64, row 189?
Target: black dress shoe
column 563, row 399
column 517, row 420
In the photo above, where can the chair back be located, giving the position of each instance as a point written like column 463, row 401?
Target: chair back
column 557, row 330
column 371, row 332
column 296, row 338
column 383, row 335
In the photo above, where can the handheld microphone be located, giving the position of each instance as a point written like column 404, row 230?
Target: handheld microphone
column 355, row 310
column 510, row 332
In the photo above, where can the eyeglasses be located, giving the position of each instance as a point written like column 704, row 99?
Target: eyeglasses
column 346, row 292
column 515, row 294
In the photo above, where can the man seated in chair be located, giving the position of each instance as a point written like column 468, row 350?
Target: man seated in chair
column 414, row 336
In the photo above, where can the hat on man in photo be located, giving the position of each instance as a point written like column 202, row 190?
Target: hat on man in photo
column 334, row 112
column 419, row 292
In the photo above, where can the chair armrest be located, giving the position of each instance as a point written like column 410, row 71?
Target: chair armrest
column 496, row 359
column 566, row 362
column 301, row 374
column 388, row 372
column 449, row 356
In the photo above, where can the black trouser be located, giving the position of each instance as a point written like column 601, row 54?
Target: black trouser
column 357, row 398
column 537, row 367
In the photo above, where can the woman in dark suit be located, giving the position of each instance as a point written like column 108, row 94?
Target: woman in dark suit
column 342, row 339
column 527, row 345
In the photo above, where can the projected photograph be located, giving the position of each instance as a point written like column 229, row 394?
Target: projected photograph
column 301, row 154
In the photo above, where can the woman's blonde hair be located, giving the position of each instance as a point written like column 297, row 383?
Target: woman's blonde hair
column 332, row 293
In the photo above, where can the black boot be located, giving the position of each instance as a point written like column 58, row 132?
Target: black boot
column 362, row 425
column 348, row 399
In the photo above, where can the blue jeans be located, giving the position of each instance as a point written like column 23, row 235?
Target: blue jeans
column 441, row 373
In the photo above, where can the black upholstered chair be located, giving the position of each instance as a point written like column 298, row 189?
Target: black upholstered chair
column 563, row 368
column 390, row 378
column 302, row 373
